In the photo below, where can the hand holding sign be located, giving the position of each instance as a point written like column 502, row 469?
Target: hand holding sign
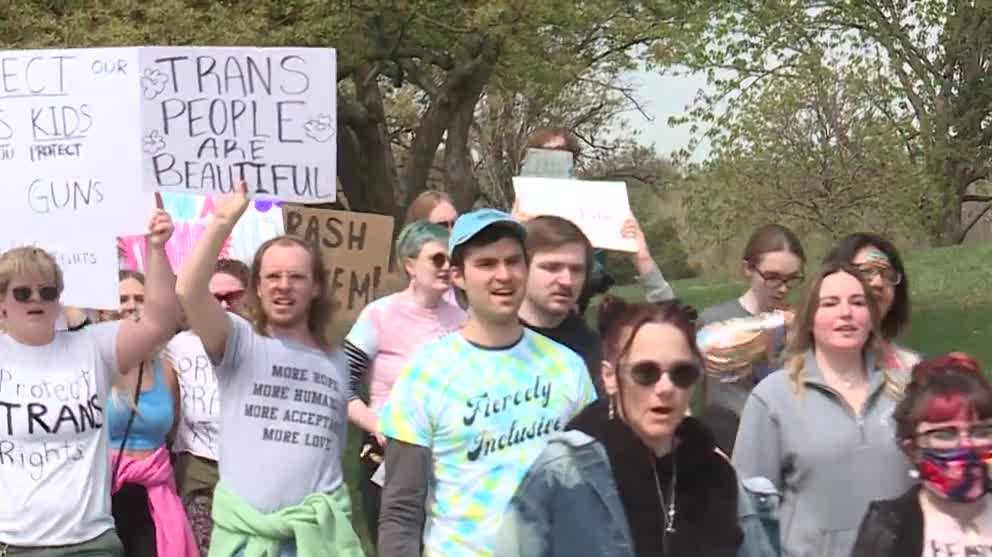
column 161, row 227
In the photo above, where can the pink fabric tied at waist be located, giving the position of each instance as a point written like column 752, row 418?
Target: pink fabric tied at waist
column 173, row 534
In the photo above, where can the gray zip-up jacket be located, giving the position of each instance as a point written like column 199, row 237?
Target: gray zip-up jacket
column 828, row 462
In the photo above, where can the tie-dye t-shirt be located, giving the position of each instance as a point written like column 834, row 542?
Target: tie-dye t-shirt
column 485, row 414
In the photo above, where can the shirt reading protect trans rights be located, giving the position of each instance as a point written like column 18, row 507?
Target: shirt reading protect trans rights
column 283, row 413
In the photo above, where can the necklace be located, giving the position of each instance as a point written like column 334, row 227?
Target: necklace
column 669, row 511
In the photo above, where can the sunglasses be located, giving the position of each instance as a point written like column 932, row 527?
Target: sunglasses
column 229, row 297
column 683, row 375
column 45, row 293
column 439, row 260
column 449, row 224
column 888, row 274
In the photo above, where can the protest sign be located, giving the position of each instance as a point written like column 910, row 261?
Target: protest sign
column 355, row 248
column 210, row 116
column 69, row 156
column 598, row 208
column 548, row 163
column 89, row 269
column 191, row 214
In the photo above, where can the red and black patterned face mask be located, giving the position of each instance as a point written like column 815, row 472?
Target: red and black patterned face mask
column 959, row 474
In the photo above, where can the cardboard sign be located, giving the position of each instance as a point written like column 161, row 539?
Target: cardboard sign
column 68, row 151
column 355, row 248
column 211, row 116
column 191, row 215
column 598, row 208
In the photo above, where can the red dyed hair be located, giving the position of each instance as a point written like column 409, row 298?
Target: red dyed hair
column 944, row 388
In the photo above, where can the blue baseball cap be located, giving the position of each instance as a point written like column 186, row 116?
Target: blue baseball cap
column 470, row 224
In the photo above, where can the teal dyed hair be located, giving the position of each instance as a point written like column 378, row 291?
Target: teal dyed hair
column 415, row 235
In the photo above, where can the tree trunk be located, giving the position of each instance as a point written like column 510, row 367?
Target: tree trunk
column 459, row 167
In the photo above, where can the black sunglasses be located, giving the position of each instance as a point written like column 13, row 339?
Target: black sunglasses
column 229, row 297
column 46, row 293
column 439, row 260
column 683, row 375
column 449, row 224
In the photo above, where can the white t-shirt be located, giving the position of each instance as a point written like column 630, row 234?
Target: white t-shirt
column 943, row 536
column 54, row 455
column 283, row 418
column 199, row 427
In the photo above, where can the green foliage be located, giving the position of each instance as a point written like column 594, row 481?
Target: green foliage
column 815, row 153
column 934, row 77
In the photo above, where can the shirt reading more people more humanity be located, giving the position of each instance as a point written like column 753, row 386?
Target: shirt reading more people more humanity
column 198, row 430
column 54, row 453
column 485, row 414
column 283, row 418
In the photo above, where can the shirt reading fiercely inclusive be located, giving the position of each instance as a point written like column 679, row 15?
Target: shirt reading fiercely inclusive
column 53, row 451
column 485, row 415
column 283, row 414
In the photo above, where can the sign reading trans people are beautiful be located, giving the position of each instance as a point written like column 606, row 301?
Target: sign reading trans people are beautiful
column 211, row 116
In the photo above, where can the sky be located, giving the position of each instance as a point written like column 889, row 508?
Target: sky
column 663, row 96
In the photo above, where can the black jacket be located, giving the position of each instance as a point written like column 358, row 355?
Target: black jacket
column 892, row 528
column 706, row 491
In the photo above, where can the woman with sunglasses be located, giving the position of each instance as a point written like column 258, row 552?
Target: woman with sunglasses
column 773, row 265
column 820, row 429
column 944, row 427
column 631, row 475
column 389, row 331
column 880, row 265
column 54, row 386
column 141, row 413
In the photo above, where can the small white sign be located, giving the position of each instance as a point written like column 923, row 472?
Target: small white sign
column 598, row 208
column 89, row 269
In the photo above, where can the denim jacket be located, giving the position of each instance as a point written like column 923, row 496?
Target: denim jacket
column 568, row 505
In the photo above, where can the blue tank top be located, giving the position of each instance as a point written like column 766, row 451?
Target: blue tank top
column 153, row 420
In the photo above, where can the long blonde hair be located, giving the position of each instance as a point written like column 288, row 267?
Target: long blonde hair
column 802, row 340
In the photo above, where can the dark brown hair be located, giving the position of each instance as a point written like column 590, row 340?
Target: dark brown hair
column 943, row 388
column 235, row 268
column 125, row 274
column 549, row 233
column 619, row 322
column 897, row 318
column 542, row 137
column 770, row 238
column 423, row 204
column 321, row 308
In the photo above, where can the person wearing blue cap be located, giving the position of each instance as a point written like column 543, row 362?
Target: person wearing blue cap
column 473, row 410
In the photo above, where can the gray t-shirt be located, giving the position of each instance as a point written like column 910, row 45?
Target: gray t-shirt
column 283, row 418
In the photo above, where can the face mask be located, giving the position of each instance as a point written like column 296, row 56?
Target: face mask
column 959, row 474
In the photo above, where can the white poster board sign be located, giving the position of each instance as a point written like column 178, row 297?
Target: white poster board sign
column 211, row 116
column 69, row 155
column 598, row 208
column 89, row 269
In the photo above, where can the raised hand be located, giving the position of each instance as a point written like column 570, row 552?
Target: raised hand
column 160, row 228
column 229, row 208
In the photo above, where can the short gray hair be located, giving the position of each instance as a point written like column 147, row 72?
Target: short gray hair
column 415, row 235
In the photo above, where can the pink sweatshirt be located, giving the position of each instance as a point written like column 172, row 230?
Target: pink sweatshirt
column 173, row 535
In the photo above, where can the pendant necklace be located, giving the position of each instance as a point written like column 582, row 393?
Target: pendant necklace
column 668, row 513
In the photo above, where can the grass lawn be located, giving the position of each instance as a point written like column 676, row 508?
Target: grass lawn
column 951, row 305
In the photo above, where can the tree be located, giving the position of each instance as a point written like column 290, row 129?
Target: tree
column 444, row 54
column 935, row 86
column 814, row 153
